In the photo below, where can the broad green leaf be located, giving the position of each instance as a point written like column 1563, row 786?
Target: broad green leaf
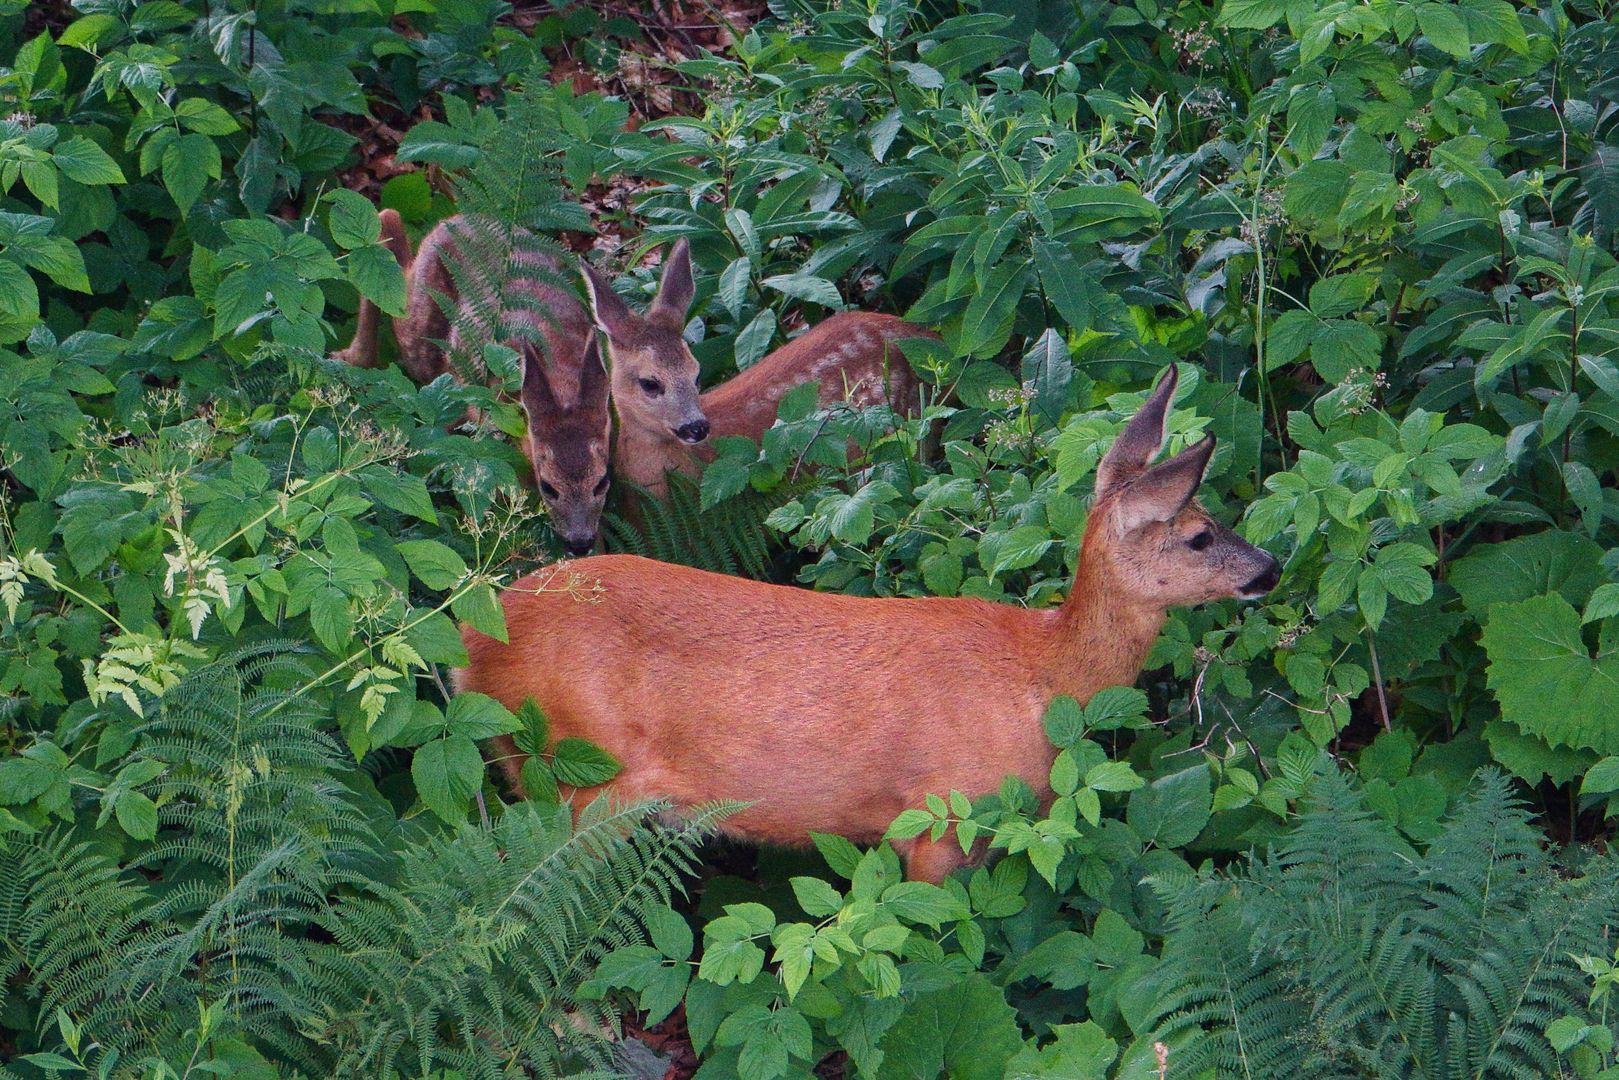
column 806, row 287
column 1064, row 721
column 352, row 219
column 1602, row 778
column 918, row 901
column 86, row 163
column 478, row 716
column 1173, row 809
column 1527, row 566
column 987, row 322
column 376, row 274
column 188, row 163
column 436, row 565
column 446, row 772
column 1049, row 369
column 399, row 491
column 964, row 1030
column 137, row 815
column 581, row 763
column 1547, row 680
column 1063, row 281
column 1066, row 960
column 479, row 607
column 1022, row 547
column 1445, row 29
column 1251, row 14
column 816, row 897
column 1113, row 776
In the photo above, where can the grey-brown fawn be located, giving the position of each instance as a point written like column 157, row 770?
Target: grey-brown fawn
column 833, row 713
column 662, row 418
column 471, row 283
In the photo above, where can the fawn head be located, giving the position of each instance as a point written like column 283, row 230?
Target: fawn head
column 568, row 446
column 654, row 373
column 1160, row 547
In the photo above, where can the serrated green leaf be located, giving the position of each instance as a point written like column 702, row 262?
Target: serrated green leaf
column 86, row 163
column 1546, row 678
column 581, row 763
column 446, row 773
column 436, row 565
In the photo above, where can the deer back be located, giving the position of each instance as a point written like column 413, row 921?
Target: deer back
column 854, row 356
column 832, row 713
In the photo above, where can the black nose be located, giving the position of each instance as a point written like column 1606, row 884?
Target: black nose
column 577, row 546
column 1265, row 580
column 694, row 432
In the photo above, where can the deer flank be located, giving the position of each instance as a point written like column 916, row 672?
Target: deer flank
column 834, row 713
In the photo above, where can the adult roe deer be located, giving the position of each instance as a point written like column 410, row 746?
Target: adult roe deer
column 662, row 418
column 834, row 713
column 470, row 284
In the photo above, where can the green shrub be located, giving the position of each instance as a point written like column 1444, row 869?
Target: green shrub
column 243, row 824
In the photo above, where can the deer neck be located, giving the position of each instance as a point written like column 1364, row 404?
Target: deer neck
column 641, row 455
column 1098, row 638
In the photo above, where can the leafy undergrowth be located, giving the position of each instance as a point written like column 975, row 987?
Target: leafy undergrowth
column 244, row 831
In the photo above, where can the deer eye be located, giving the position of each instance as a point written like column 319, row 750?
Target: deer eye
column 653, row 387
column 1201, row 541
column 600, row 488
column 547, row 490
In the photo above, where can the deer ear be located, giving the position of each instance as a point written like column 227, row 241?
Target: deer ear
column 1164, row 490
column 1140, row 440
column 538, row 400
column 676, row 288
column 593, row 382
column 612, row 314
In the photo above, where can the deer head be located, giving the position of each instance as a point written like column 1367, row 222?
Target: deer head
column 568, row 446
column 1160, row 547
column 654, row 373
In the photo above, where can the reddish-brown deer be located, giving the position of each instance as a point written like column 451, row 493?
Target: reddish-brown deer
column 662, row 419
column 834, row 713
column 472, row 283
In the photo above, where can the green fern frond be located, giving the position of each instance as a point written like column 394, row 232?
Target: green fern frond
column 727, row 538
column 471, row 961
column 1345, row 952
column 1214, row 983
column 508, row 201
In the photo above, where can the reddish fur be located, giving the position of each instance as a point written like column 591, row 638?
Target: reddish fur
column 566, row 441
column 833, row 713
column 424, row 328
column 854, row 356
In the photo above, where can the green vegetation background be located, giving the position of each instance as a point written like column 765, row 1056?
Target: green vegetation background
column 1341, row 832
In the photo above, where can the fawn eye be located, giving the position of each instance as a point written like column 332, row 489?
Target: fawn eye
column 1201, row 541
column 600, row 488
column 653, row 387
column 547, row 490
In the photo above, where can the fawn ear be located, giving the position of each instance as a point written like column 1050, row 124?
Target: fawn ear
column 593, row 382
column 612, row 314
column 1140, row 440
column 677, row 287
column 538, row 400
column 1164, row 490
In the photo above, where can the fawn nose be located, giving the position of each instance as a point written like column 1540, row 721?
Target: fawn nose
column 694, row 432
column 578, row 546
column 1265, row 580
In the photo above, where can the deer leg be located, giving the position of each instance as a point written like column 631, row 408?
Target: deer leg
column 930, row 860
column 362, row 351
